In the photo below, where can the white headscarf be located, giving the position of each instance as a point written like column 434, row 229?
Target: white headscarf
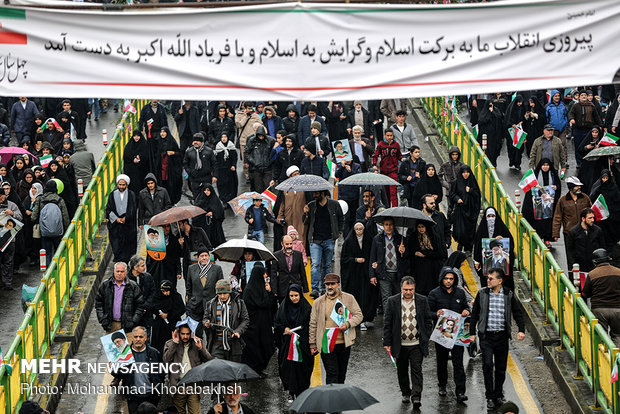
column 39, row 188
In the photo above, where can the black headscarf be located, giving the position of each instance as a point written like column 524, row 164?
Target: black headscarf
column 291, row 311
column 427, row 185
column 254, row 294
column 456, row 259
column 168, row 143
column 211, row 203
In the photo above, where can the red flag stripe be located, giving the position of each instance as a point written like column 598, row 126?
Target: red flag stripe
column 13, row 38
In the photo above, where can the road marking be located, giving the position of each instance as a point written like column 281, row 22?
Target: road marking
column 521, row 388
column 316, row 371
column 102, row 398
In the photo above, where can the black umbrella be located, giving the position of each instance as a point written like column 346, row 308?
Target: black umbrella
column 332, row 398
column 305, row 182
column 219, row 370
column 403, row 216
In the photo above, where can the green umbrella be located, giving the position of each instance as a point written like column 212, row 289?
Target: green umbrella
column 603, row 151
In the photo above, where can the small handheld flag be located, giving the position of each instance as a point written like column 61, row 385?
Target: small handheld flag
column 518, row 136
column 54, row 122
column 392, row 358
column 609, row 140
column 528, row 181
column 128, row 107
column 601, row 212
column 614, row 371
column 294, row 349
column 329, row 340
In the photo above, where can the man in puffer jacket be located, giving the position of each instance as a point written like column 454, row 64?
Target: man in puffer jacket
column 258, row 159
column 557, row 115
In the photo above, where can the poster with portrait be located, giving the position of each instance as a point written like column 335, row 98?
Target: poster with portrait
column 155, row 242
column 9, row 227
column 342, row 151
column 447, row 329
column 117, row 348
column 495, row 253
column 462, row 339
column 340, row 314
column 248, row 269
column 543, row 198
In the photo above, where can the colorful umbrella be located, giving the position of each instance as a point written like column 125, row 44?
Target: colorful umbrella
column 603, row 151
column 242, row 202
column 7, row 153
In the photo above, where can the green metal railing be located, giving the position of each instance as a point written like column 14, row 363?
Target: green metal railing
column 580, row 334
column 42, row 319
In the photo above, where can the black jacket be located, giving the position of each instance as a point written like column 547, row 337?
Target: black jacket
column 239, row 321
column 258, row 151
column 217, row 126
column 207, row 156
column 265, row 216
column 480, row 312
column 310, row 144
column 132, row 307
column 160, row 120
column 147, row 287
column 377, row 254
column 440, row 298
column 368, row 127
column 149, row 206
column 190, row 118
column 335, row 215
column 392, row 323
column 580, row 245
column 153, row 357
column 282, row 278
column 284, row 160
column 315, row 166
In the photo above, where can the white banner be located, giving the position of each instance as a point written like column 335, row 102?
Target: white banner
column 309, row 51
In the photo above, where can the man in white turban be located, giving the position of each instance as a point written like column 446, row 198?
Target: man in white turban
column 121, row 212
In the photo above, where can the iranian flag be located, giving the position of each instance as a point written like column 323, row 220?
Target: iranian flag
column 614, row 371
column 331, row 166
column 518, row 136
column 294, row 349
column 329, row 339
column 7, row 367
column 601, row 212
column 45, row 160
column 128, row 107
column 270, row 195
column 609, row 140
column 475, row 131
column 54, row 122
column 528, row 181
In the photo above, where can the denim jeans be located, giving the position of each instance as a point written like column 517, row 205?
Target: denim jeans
column 321, row 253
column 260, row 235
column 93, row 104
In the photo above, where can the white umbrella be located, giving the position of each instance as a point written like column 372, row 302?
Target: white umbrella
column 232, row 250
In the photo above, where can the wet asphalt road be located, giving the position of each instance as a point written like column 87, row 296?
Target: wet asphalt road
column 369, row 367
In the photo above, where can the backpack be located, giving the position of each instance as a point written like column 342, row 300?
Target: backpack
column 50, row 220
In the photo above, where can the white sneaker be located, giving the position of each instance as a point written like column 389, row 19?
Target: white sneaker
column 363, row 327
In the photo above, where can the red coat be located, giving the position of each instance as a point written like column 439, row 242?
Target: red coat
column 390, row 156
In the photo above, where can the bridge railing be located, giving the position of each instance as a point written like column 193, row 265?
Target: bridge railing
column 591, row 348
column 42, row 319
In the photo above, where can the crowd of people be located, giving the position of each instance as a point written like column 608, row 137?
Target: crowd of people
column 407, row 275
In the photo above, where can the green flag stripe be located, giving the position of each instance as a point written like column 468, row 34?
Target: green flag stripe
column 12, row 13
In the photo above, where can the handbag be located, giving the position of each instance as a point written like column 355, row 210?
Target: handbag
column 36, row 231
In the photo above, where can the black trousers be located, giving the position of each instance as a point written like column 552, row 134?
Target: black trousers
column 494, row 347
column 336, row 364
column 410, row 356
column 457, row 365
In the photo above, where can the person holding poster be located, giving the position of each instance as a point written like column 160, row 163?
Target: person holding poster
column 342, row 151
column 495, row 255
column 492, row 227
column 447, row 296
column 538, row 203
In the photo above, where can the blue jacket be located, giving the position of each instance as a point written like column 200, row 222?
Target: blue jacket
column 305, row 127
column 557, row 114
column 315, row 166
column 22, row 119
column 5, row 135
